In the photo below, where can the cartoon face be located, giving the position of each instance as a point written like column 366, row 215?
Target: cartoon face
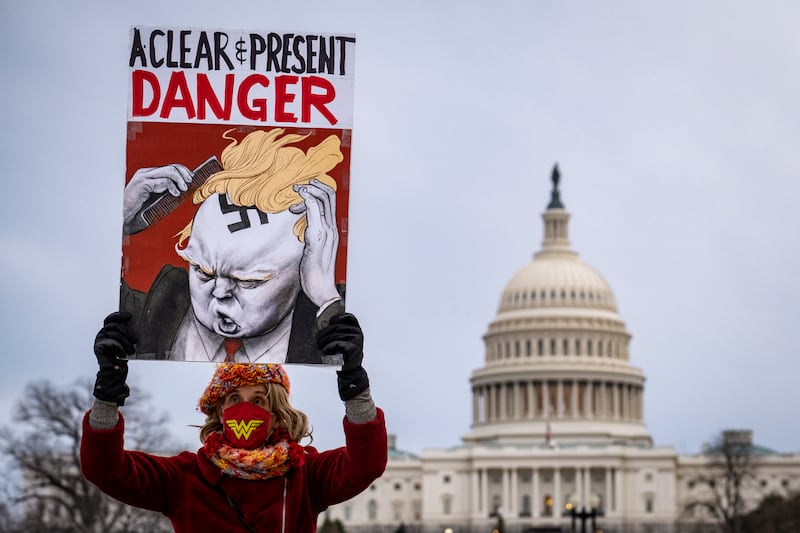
column 244, row 268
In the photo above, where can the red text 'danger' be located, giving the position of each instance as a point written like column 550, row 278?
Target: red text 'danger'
column 256, row 97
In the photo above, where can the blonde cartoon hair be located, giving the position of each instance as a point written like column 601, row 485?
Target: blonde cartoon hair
column 262, row 169
column 295, row 422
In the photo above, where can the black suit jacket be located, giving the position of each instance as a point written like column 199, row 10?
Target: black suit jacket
column 157, row 314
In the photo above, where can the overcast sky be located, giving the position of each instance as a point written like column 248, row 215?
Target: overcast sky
column 675, row 126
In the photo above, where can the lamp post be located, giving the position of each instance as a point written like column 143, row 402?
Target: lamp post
column 583, row 515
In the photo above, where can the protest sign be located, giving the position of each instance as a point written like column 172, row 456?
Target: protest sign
column 235, row 206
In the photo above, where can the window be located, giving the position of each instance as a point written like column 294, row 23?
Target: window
column 497, row 503
column 526, row 505
column 348, row 512
column 565, row 345
column 548, row 505
column 648, row 504
column 397, row 486
column 447, row 504
column 397, row 511
column 416, row 506
column 528, row 347
column 589, row 347
column 577, row 346
column 446, row 479
column 648, row 476
column 540, row 347
column 372, row 510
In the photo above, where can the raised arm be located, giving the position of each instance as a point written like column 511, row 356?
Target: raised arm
column 338, row 475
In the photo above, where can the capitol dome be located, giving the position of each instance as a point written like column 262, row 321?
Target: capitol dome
column 557, row 361
column 557, row 279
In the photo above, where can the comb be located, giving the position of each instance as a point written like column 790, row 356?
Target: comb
column 159, row 205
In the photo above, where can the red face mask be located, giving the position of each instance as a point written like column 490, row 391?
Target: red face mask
column 245, row 425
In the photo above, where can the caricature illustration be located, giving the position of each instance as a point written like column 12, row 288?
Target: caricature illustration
column 259, row 252
column 236, row 196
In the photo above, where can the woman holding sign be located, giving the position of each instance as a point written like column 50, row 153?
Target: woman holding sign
column 252, row 474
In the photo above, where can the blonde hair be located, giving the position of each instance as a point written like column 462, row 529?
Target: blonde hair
column 295, row 422
column 262, row 170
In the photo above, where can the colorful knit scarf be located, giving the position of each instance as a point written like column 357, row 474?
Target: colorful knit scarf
column 275, row 459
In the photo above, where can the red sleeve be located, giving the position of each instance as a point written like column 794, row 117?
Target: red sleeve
column 338, row 475
column 132, row 477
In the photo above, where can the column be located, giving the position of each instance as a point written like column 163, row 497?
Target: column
column 518, row 408
column 560, row 398
column 587, row 486
column 602, row 403
column 536, row 509
column 580, row 500
column 615, row 395
column 531, row 400
column 505, row 501
column 545, row 400
column 484, row 492
column 632, row 403
column 558, row 503
column 574, row 400
column 639, row 404
column 617, row 489
column 513, row 500
column 589, row 401
column 475, row 497
column 607, row 497
column 503, row 406
column 475, row 393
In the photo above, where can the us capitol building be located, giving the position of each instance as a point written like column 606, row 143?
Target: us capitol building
column 557, row 425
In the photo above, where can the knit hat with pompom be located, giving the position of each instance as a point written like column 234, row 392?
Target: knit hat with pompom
column 230, row 376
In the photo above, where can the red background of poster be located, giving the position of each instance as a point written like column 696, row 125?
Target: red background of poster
column 152, row 144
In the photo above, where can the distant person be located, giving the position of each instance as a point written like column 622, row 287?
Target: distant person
column 261, row 255
column 252, row 474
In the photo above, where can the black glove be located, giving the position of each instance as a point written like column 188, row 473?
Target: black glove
column 114, row 341
column 343, row 336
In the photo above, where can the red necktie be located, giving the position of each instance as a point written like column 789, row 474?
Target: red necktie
column 231, row 347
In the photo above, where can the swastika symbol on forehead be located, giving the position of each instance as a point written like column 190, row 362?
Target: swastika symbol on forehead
column 244, row 219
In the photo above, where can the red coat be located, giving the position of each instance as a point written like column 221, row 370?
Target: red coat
column 185, row 487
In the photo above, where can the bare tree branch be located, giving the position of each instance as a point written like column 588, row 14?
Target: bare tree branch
column 41, row 447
